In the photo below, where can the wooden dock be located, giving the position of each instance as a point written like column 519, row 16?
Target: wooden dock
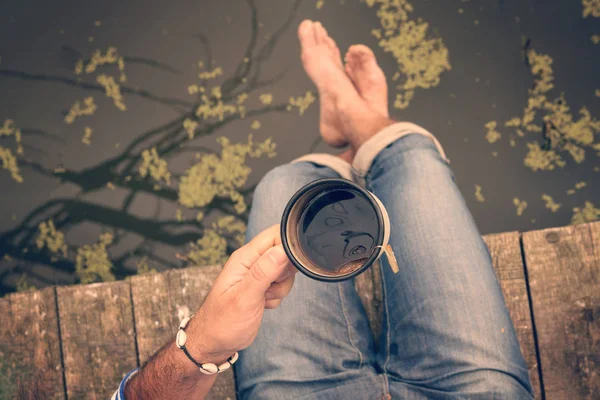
column 77, row 342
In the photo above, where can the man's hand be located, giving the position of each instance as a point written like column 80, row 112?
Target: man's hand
column 256, row 276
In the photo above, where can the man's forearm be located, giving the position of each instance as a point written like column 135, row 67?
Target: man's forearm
column 256, row 277
column 169, row 374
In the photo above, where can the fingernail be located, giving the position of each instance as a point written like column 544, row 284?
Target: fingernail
column 278, row 255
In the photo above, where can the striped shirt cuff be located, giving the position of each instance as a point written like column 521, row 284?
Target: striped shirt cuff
column 120, row 393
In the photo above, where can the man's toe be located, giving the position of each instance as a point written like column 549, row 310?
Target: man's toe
column 320, row 33
column 349, row 71
column 306, row 34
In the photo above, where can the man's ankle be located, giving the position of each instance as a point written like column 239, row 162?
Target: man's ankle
column 347, row 155
column 366, row 127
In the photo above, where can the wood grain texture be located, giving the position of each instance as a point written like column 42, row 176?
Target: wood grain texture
column 98, row 338
column 97, row 321
column 29, row 343
column 161, row 301
column 505, row 251
column 564, row 278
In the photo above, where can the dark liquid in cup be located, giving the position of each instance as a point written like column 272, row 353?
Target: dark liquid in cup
column 338, row 230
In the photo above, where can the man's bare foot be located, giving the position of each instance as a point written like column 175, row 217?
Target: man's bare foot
column 361, row 66
column 347, row 155
column 345, row 116
column 323, row 64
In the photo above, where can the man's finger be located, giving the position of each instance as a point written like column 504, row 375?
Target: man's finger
column 290, row 271
column 278, row 290
column 272, row 304
column 265, row 271
column 250, row 253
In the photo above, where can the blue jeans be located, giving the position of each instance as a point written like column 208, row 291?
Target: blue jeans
column 446, row 332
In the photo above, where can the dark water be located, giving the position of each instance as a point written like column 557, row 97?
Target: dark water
column 338, row 230
column 41, row 41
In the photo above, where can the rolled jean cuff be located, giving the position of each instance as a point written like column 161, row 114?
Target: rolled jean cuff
column 369, row 150
column 340, row 166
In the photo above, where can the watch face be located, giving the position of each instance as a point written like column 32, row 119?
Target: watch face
column 332, row 229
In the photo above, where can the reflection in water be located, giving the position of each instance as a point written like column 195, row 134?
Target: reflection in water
column 338, row 229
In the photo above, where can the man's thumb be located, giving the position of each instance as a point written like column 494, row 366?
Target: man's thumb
column 269, row 266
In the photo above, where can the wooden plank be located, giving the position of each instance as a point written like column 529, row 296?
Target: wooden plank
column 505, row 250
column 563, row 265
column 98, row 339
column 161, row 301
column 29, row 345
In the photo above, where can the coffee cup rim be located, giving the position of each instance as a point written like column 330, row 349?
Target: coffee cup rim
column 285, row 240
